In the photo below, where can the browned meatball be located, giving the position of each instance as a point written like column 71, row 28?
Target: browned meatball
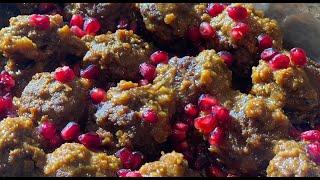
column 20, row 152
column 293, row 87
column 44, row 97
column 291, row 159
column 118, row 54
column 73, row 159
column 107, row 13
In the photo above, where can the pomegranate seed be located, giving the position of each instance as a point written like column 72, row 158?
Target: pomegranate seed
column 47, row 130
column 206, row 30
column 298, row 56
column 55, row 141
column 91, row 26
column 205, row 124
column 77, row 31
column 76, row 20
column 41, row 22
column 264, row 41
column 222, row 114
column 191, row 110
column 193, row 34
column 143, row 82
column 206, row 102
column 123, row 154
column 226, row 57
column 311, row 135
column 280, row 61
column 91, row 72
column 134, row 161
column 150, row 116
column 313, row 150
column 123, row 23
column 71, row 131
column 159, row 57
column 216, row 137
column 181, row 147
column 64, row 74
column 6, row 105
column 239, row 31
column 90, row 140
column 214, row 9
column 133, row 174
column 148, row 71
column 237, row 13
column 215, row 171
column 6, row 82
column 97, row 95
column 178, row 135
column 123, row 172
column 181, row 126
column 46, row 7
column 268, row 54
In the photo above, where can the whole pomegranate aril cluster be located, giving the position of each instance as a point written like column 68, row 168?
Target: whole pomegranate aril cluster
column 130, row 160
column 81, row 26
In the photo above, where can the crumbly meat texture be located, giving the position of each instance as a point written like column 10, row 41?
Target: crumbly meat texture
column 45, row 98
column 293, row 87
column 19, row 148
column 108, row 13
column 118, row 54
column 169, row 165
column 75, row 160
column 291, row 160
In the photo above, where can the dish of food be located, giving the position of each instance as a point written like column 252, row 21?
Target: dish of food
column 154, row 89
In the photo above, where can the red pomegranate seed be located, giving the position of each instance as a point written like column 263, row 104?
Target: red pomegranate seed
column 214, row 9
column 41, row 22
column 226, row 57
column 206, row 102
column 150, row 116
column 280, row 61
column 313, row 150
column 237, row 13
column 215, row 171
column 97, row 95
column 216, row 137
column 206, row 30
column 181, row 147
column 159, row 57
column 64, row 74
column 6, row 105
column 133, row 174
column 181, row 126
column 148, row 71
column 6, row 82
column 311, row 135
column 239, row 31
column 76, row 20
column 123, row 172
column 222, row 114
column 90, row 140
column 191, row 110
column 264, row 41
column 71, row 131
column 46, row 7
column 298, row 56
column 193, row 34
column 91, row 26
column 178, row 135
column 268, row 54
column 123, row 154
column 143, row 82
column 47, row 130
column 91, row 72
column 205, row 124
column 77, row 31
column 123, row 23
column 134, row 161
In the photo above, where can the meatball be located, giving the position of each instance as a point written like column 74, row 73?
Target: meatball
column 291, row 159
column 171, row 164
column 292, row 87
column 73, row 159
column 119, row 54
column 20, row 152
column 124, row 108
column 44, row 98
column 108, row 14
